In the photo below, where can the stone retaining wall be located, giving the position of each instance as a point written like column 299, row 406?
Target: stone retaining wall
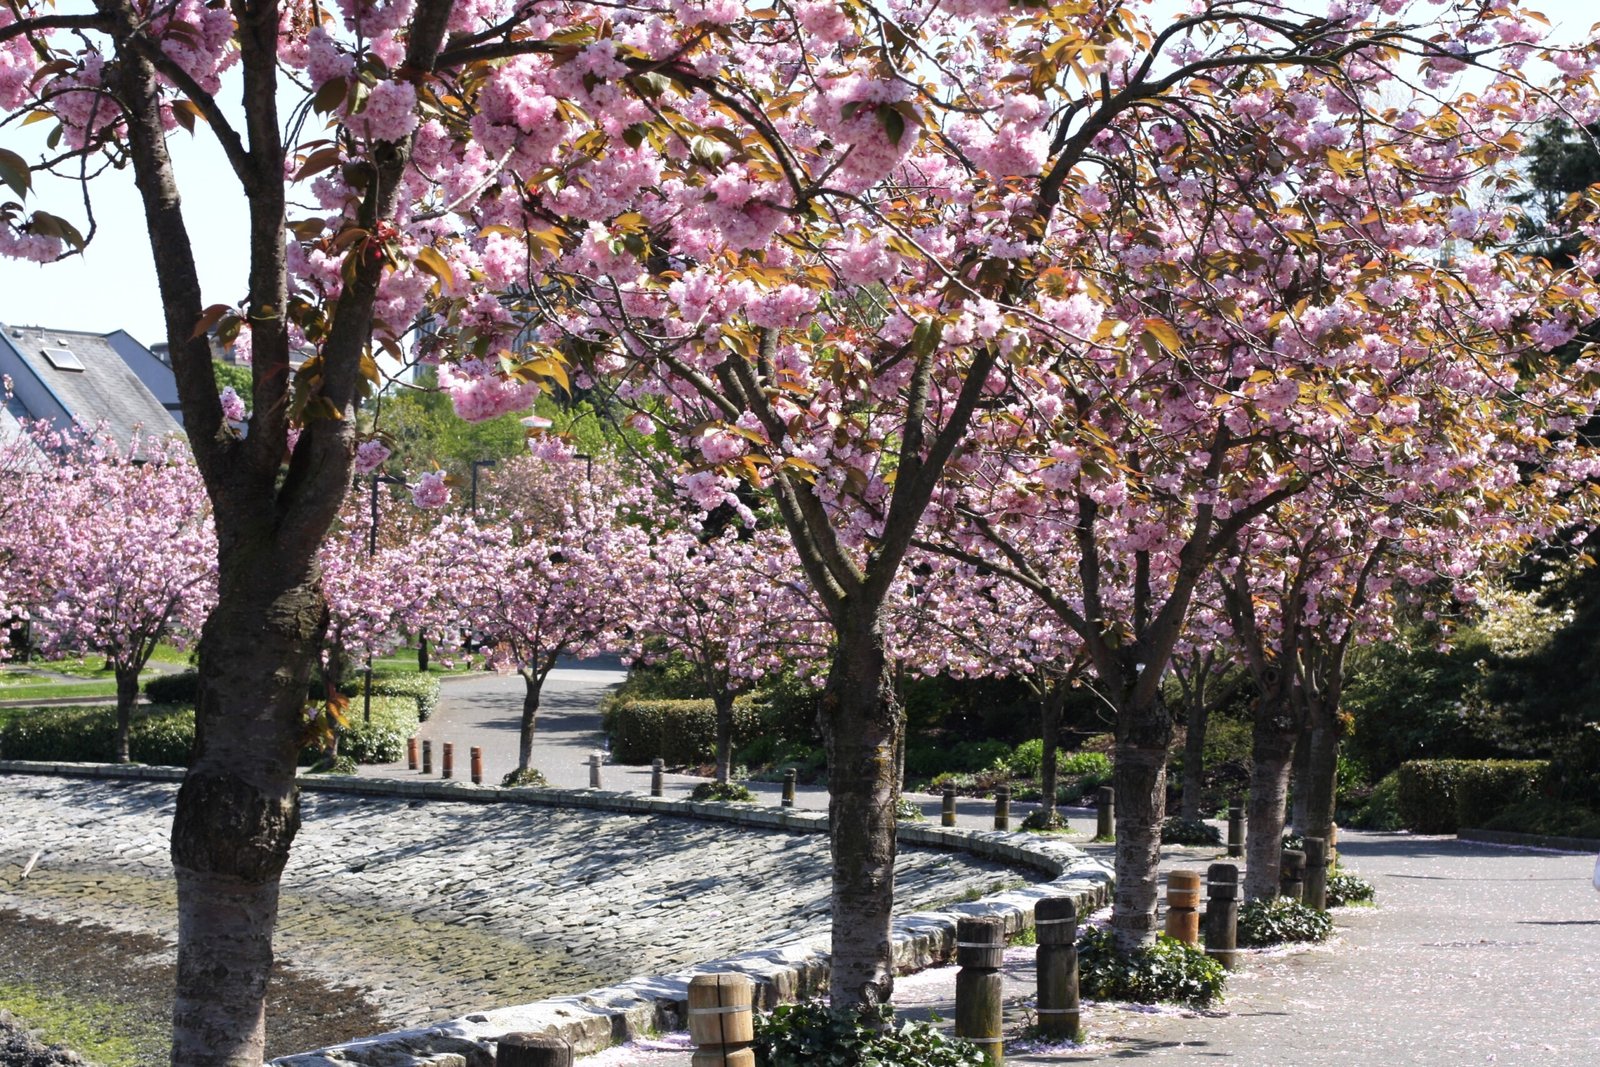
column 597, row 1018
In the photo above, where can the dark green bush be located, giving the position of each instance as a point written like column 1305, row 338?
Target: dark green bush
column 1026, row 759
column 1381, row 809
column 928, row 760
column 422, row 689
column 180, row 687
column 815, row 1035
column 678, row 731
column 157, row 735
column 1280, row 921
column 530, row 777
column 726, row 792
column 1083, row 764
column 1168, row 970
column 1176, row 831
column 1347, row 887
column 1439, row 796
column 1543, row 815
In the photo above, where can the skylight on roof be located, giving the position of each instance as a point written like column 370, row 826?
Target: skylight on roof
column 61, row 359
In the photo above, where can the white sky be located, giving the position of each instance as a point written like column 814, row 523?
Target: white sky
column 113, row 284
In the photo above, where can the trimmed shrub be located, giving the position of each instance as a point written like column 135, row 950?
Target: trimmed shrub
column 725, row 792
column 814, row 1035
column 1347, row 887
column 157, row 735
column 383, row 740
column 1280, row 921
column 1176, row 831
column 678, row 731
column 421, row 689
column 1168, row 970
column 1440, row 796
column 180, row 687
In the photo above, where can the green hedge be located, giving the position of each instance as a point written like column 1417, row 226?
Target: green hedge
column 423, row 689
column 678, row 731
column 179, row 687
column 1440, row 796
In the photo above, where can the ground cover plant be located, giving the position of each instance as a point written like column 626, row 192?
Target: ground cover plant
column 1346, row 888
column 1281, row 920
column 1165, row 971
column 811, row 1034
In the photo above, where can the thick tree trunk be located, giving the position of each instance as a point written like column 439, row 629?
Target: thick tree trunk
column 723, row 701
column 1194, row 757
column 862, row 725
column 127, row 697
column 534, row 682
column 1321, row 782
column 1050, row 706
column 422, row 651
column 238, row 809
column 1298, row 810
column 1273, row 743
column 1140, row 780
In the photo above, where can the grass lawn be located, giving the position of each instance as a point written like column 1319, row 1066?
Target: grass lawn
column 32, row 689
column 404, row 660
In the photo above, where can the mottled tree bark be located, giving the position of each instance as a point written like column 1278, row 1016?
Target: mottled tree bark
column 127, row 697
column 1273, row 739
column 533, row 683
column 722, row 701
column 1051, row 702
column 1299, row 779
column 1139, row 776
column 1321, row 782
column 1196, row 716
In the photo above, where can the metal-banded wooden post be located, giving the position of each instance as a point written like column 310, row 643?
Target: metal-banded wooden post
column 721, row 1022
column 789, row 777
column 427, row 757
column 1055, row 920
column 594, row 770
column 1002, row 807
column 1235, row 830
column 1183, row 898
column 411, row 753
column 1316, row 891
column 447, row 768
column 1105, row 799
column 477, row 765
column 1222, row 913
column 947, row 809
column 980, row 950
column 1292, row 878
column 658, row 770
column 532, row 1050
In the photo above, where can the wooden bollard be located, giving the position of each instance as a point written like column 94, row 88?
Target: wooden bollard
column 658, row 770
column 477, row 765
column 980, row 950
column 594, row 770
column 721, row 1022
column 447, row 768
column 1183, row 902
column 1222, row 913
column 1055, row 921
column 427, row 757
column 1316, row 888
column 532, row 1050
column 1333, row 845
column 1105, row 799
column 789, row 777
column 1292, row 877
column 411, row 753
column 1235, row 830
column 947, row 810
column 1002, row 807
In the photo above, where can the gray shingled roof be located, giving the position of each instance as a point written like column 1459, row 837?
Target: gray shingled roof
column 106, row 390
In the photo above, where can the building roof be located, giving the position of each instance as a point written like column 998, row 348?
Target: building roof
column 81, row 376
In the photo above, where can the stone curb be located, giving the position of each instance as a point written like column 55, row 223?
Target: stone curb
column 1508, row 837
column 596, row 1019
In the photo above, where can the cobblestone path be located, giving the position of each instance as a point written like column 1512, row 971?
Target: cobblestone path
column 436, row 909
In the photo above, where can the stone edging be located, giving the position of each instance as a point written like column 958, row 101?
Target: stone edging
column 1508, row 837
column 598, row 1018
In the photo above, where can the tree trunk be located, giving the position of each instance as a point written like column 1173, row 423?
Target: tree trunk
column 127, row 697
column 1194, row 756
column 1272, row 753
column 534, row 681
column 1321, row 782
column 1140, row 780
column 422, row 651
column 723, row 701
column 1050, row 706
column 238, row 809
column 1298, row 797
column 862, row 725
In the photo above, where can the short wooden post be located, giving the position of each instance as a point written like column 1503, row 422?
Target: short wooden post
column 594, row 770
column 789, row 777
column 532, row 1050
column 1002, row 807
column 427, row 757
column 1333, row 845
column 720, row 1020
column 1292, row 877
column 980, row 950
column 1222, row 913
column 411, row 753
column 1105, row 799
column 448, row 768
column 1316, row 891
column 477, row 765
column 658, row 770
column 1055, row 921
column 947, row 811
column 1183, row 900
column 1235, row 830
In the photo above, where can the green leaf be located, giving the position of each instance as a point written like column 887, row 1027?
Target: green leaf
column 15, row 172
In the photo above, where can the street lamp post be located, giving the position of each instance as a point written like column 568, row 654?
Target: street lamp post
column 372, row 550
